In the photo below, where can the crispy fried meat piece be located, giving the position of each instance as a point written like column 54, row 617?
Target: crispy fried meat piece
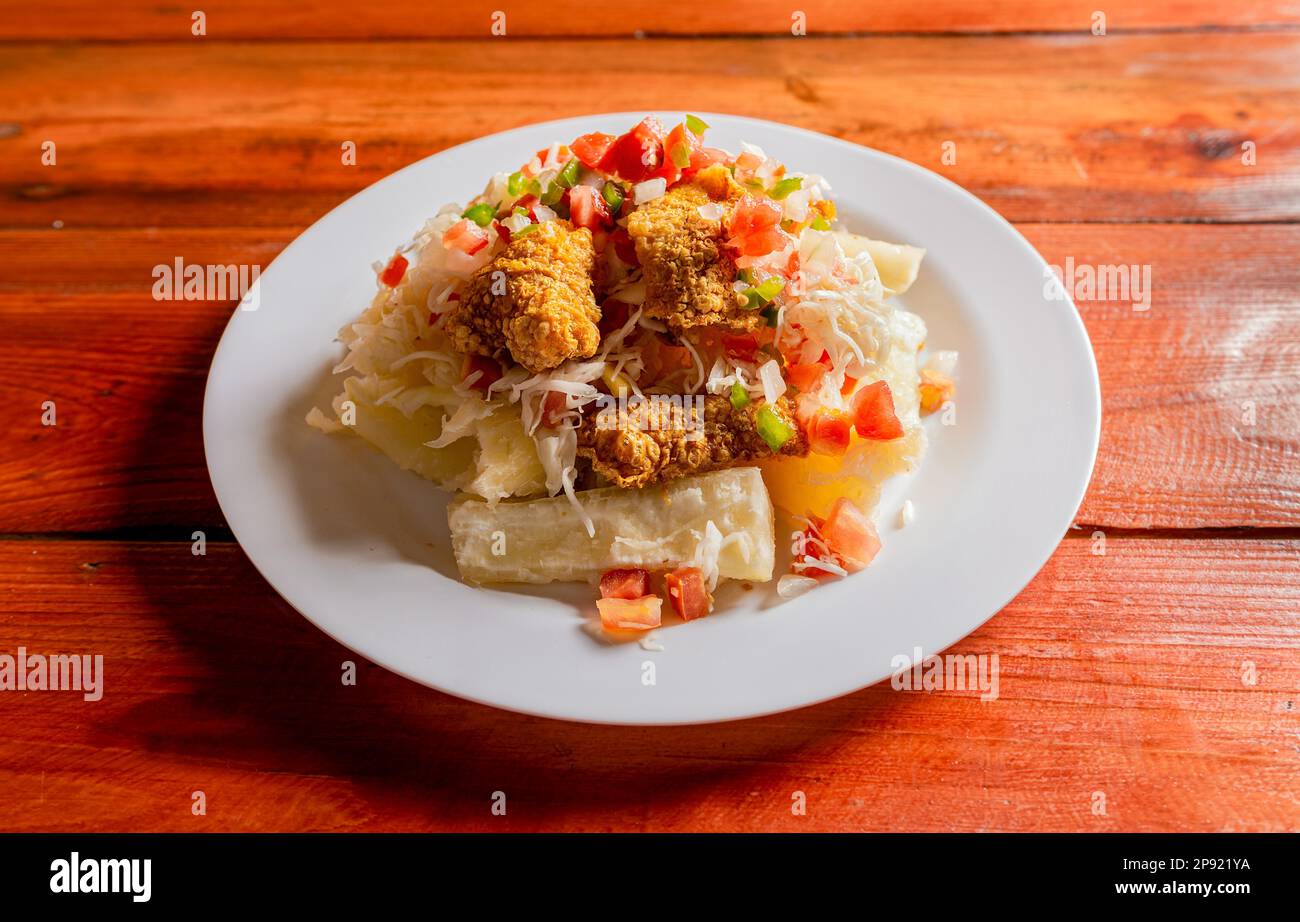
column 688, row 272
column 535, row 299
column 654, row 443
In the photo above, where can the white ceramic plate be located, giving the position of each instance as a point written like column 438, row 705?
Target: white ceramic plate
column 361, row 548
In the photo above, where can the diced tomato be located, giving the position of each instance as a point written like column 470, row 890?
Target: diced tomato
column 702, row 157
column 760, row 243
column 850, row 535
column 491, row 371
column 637, row 155
column 743, row 346
column 555, row 405
column 688, row 593
column 806, row 377
column 751, row 215
column 465, row 236
column 625, row 583
column 561, row 154
column 746, row 164
column 754, row 227
column 394, row 271
column 640, row 614
column 590, row 149
column 873, row 413
column 624, row 248
column 850, row 382
column 828, row 432
column 679, row 147
column 587, row 208
column 806, row 539
column 613, row 314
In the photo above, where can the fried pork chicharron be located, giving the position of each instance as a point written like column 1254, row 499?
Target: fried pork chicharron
column 534, row 299
column 688, row 273
column 654, row 443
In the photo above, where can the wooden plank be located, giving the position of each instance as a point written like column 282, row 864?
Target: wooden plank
column 1120, row 674
column 1120, row 127
column 410, row 19
column 1180, row 381
column 1201, row 421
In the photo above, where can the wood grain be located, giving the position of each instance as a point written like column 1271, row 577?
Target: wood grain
column 409, row 19
column 1180, row 381
column 1114, row 128
column 1120, row 674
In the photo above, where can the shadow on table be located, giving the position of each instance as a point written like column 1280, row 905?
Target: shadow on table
column 387, row 753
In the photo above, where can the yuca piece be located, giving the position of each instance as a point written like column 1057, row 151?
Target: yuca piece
column 544, row 540
column 897, row 263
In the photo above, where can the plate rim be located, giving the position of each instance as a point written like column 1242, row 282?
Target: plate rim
column 1093, row 398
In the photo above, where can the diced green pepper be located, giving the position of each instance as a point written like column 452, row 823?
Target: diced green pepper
column 739, row 396
column 696, row 125
column 785, row 186
column 772, row 428
column 526, row 229
column 770, row 315
column 770, row 287
column 613, row 195
column 820, row 224
column 552, row 194
column 568, row 177
column 516, row 184
column 681, row 156
column 481, row 214
column 763, row 292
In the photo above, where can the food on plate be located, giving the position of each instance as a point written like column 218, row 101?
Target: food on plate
column 721, row 521
column 625, row 353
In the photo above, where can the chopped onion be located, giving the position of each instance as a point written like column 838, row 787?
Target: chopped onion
column 713, row 211
column 649, row 190
column 769, row 373
column 795, row 205
column 792, row 584
column 543, row 214
column 907, row 514
column 516, row 222
column 943, row 362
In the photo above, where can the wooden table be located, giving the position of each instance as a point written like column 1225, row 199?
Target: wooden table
column 1128, row 674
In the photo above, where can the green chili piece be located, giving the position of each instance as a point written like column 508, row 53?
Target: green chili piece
column 772, row 428
column 786, row 186
column 481, row 214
